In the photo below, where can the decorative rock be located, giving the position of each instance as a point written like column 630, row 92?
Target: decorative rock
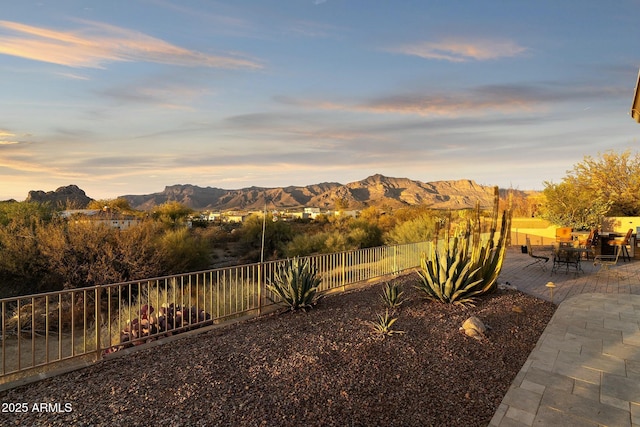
column 474, row 328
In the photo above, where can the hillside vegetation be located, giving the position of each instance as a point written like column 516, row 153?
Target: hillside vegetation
column 42, row 251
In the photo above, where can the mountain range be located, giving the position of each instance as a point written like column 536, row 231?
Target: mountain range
column 376, row 190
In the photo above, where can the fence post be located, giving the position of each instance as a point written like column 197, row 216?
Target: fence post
column 344, row 271
column 259, row 288
column 98, row 323
column 395, row 259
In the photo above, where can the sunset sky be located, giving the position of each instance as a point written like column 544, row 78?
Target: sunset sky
column 128, row 96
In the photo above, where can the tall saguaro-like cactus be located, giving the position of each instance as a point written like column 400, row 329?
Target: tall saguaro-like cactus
column 467, row 266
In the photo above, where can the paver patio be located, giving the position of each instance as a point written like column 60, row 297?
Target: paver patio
column 585, row 369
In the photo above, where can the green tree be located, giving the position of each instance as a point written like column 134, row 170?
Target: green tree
column 568, row 205
column 116, row 205
column 172, row 213
column 612, row 178
column 276, row 236
column 607, row 185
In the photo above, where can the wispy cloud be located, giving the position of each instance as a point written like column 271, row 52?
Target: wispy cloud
column 73, row 76
column 458, row 50
column 432, row 105
column 448, row 105
column 475, row 101
column 97, row 44
column 8, row 138
column 156, row 92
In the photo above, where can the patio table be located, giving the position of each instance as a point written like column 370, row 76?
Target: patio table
column 568, row 257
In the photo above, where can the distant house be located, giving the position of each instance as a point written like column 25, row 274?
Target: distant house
column 298, row 215
column 214, row 216
column 312, row 212
column 98, row 216
column 235, row 218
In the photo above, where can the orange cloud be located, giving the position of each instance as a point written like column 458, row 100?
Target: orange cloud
column 98, row 44
column 454, row 50
column 8, row 138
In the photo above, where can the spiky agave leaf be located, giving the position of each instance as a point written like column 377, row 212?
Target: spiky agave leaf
column 392, row 295
column 464, row 268
column 295, row 283
column 384, row 323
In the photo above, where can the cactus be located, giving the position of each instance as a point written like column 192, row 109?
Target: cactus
column 464, row 268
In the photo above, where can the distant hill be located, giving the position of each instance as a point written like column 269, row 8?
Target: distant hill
column 64, row 197
column 376, row 190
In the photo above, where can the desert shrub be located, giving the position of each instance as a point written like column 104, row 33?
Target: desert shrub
column 87, row 254
column 363, row 234
column 414, row 230
column 24, row 213
column 303, row 245
column 40, row 255
column 183, row 251
column 276, row 236
column 23, row 268
column 337, row 242
column 295, row 284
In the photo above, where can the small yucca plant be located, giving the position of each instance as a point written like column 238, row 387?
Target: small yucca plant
column 383, row 324
column 295, row 284
column 392, row 295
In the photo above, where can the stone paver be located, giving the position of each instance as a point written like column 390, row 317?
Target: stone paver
column 585, row 368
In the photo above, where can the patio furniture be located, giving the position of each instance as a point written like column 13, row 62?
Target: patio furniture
column 563, row 234
column 622, row 244
column 538, row 259
column 566, row 255
column 591, row 242
column 607, row 261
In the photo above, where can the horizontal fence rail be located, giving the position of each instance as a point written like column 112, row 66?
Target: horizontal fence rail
column 41, row 332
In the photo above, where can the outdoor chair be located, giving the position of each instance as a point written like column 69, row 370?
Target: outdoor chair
column 590, row 242
column 563, row 234
column 607, row 261
column 622, row 244
column 538, row 259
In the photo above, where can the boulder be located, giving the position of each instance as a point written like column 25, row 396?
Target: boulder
column 474, row 328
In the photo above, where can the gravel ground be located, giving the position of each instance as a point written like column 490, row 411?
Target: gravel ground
column 325, row 367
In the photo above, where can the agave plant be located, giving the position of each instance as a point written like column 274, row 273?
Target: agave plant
column 295, row 284
column 392, row 295
column 383, row 325
column 463, row 268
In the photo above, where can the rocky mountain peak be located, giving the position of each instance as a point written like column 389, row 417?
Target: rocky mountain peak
column 376, row 190
column 70, row 196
